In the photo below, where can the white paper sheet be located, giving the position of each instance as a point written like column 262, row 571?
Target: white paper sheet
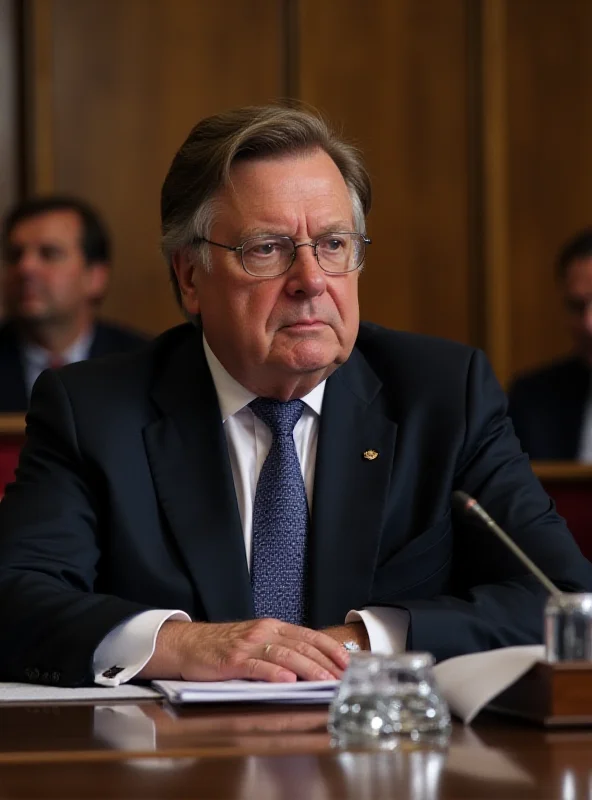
column 470, row 682
column 247, row 691
column 33, row 693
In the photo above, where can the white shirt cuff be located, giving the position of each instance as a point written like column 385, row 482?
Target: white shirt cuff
column 129, row 647
column 386, row 628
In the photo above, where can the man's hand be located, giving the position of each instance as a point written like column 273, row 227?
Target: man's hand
column 261, row 649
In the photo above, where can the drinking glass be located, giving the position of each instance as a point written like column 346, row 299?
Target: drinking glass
column 382, row 697
column 568, row 627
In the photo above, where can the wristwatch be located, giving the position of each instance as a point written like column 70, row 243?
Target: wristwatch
column 352, row 647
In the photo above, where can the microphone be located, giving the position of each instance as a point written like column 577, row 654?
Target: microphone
column 470, row 506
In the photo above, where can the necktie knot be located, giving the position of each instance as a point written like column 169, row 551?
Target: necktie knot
column 280, row 418
column 55, row 362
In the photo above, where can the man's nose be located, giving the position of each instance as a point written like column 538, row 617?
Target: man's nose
column 305, row 275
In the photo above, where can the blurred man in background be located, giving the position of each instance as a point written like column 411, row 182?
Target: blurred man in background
column 552, row 407
column 55, row 273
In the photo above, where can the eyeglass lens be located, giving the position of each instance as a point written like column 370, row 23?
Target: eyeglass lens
column 272, row 255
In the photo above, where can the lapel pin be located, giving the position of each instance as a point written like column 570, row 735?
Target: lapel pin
column 370, row 455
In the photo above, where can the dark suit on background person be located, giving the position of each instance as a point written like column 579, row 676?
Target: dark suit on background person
column 549, row 405
column 547, row 408
column 129, row 453
column 107, row 339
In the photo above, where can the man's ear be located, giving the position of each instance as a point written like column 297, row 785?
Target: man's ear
column 184, row 266
column 98, row 277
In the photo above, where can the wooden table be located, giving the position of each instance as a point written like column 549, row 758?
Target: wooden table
column 148, row 751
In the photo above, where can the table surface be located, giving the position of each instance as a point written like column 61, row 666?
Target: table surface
column 148, row 750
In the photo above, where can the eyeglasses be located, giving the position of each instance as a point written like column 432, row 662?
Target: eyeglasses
column 269, row 256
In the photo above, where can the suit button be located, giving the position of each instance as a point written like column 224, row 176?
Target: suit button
column 55, row 677
column 45, row 677
column 32, row 674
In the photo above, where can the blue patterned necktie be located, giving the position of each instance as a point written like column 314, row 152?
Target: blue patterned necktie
column 280, row 519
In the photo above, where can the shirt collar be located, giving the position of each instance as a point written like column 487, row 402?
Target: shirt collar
column 39, row 357
column 232, row 396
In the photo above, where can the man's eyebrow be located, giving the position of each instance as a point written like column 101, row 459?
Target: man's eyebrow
column 337, row 226
column 267, row 231
column 58, row 245
column 333, row 227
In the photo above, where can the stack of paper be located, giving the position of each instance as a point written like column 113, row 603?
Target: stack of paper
column 247, row 691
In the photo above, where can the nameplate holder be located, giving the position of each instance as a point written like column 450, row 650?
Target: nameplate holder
column 550, row 694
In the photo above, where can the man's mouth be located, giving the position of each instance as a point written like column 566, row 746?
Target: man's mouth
column 305, row 323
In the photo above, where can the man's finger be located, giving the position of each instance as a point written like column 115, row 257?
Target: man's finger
column 319, row 640
column 256, row 669
column 306, row 668
column 312, row 653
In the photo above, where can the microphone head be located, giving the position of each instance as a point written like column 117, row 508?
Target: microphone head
column 462, row 500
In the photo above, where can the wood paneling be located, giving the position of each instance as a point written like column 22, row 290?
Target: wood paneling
column 474, row 117
column 494, row 185
column 549, row 130
column 9, row 105
column 38, row 94
column 394, row 75
column 120, row 85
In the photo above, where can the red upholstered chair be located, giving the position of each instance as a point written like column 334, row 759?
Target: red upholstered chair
column 570, row 485
column 12, row 436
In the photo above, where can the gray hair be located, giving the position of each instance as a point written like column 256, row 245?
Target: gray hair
column 204, row 162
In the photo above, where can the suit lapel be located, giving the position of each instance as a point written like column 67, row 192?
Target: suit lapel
column 350, row 492
column 188, row 457
column 98, row 346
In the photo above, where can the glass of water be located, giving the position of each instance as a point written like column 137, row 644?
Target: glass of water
column 383, row 697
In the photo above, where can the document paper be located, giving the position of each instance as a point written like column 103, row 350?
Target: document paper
column 247, row 691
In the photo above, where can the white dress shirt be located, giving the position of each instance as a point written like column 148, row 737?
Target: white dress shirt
column 585, row 447
column 130, row 645
column 35, row 358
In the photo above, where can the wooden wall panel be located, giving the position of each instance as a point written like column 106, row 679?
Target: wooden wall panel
column 127, row 81
column 549, row 152
column 474, row 116
column 393, row 73
column 10, row 154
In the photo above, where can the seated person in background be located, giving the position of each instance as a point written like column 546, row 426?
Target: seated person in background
column 254, row 491
column 54, row 275
column 551, row 407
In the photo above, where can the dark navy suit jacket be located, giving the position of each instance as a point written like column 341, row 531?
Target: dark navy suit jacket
column 547, row 409
column 107, row 339
column 125, row 501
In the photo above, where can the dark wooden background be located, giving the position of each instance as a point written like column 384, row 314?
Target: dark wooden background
column 474, row 115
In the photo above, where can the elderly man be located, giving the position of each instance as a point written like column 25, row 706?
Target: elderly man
column 268, row 486
column 54, row 275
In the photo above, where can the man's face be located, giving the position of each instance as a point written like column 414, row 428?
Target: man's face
column 577, row 293
column 45, row 278
column 278, row 336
